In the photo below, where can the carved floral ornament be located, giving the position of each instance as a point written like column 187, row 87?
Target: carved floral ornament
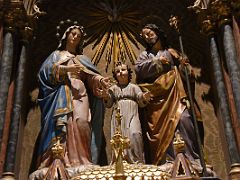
column 15, row 19
column 216, row 13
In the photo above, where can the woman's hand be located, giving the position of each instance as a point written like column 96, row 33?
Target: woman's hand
column 105, row 82
column 74, row 68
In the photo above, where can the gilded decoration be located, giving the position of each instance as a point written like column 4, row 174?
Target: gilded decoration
column 114, row 31
column 58, row 150
column 115, row 36
column 204, row 17
column 221, row 11
column 16, row 20
column 119, row 143
column 131, row 172
column 174, row 22
column 217, row 12
column 182, row 167
column 208, row 27
column 121, row 169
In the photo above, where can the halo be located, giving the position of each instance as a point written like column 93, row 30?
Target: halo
column 63, row 25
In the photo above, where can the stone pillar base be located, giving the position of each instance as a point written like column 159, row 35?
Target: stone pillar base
column 235, row 171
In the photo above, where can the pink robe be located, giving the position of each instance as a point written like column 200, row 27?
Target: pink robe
column 78, row 129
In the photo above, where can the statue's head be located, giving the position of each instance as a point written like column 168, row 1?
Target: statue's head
column 72, row 29
column 151, row 33
column 122, row 70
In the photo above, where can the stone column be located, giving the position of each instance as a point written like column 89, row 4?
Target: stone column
column 224, row 106
column 5, row 75
column 222, row 12
column 19, row 20
column 216, row 13
column 16, row 115
column 232, row 64
column 223, row 101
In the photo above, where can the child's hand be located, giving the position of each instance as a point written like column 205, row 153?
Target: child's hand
column 147, row 96
column 103, row 93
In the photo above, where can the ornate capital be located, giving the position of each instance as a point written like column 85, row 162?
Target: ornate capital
column 208, row 27
column 217, row 13
column 15, row 20
column 27, row 29
column 206, row 21
column 221, row 11
column 13, row 15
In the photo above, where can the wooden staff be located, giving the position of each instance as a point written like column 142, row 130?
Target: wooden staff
column 174, row 22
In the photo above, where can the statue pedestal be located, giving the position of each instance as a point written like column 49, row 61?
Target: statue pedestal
column 210, row 178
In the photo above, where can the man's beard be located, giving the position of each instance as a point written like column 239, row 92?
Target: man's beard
column 153, row 41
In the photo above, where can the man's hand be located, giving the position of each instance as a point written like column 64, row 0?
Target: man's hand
column 184, row 60
column 164, row 60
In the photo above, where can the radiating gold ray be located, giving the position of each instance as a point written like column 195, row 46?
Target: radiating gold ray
column 97, row 36
column 121, row 49
column 109, row 51
column 96, row 23
column 131, row 14
column 98, row 29
column 98, row 13
column 102, row 9
column 128, row 47
column 129, row 30
column 113, row 31
column 115, row 47
column 104, row 30
column 100, row 49
column 130, row 20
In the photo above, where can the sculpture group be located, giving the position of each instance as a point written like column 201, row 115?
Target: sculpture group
column 73, row 96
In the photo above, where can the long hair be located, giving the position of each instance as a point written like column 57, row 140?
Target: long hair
column 160, row 34
column 63, row 41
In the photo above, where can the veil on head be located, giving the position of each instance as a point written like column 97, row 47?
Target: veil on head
column 63, row 28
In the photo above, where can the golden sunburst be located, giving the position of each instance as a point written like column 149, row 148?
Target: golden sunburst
column 113, row 30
